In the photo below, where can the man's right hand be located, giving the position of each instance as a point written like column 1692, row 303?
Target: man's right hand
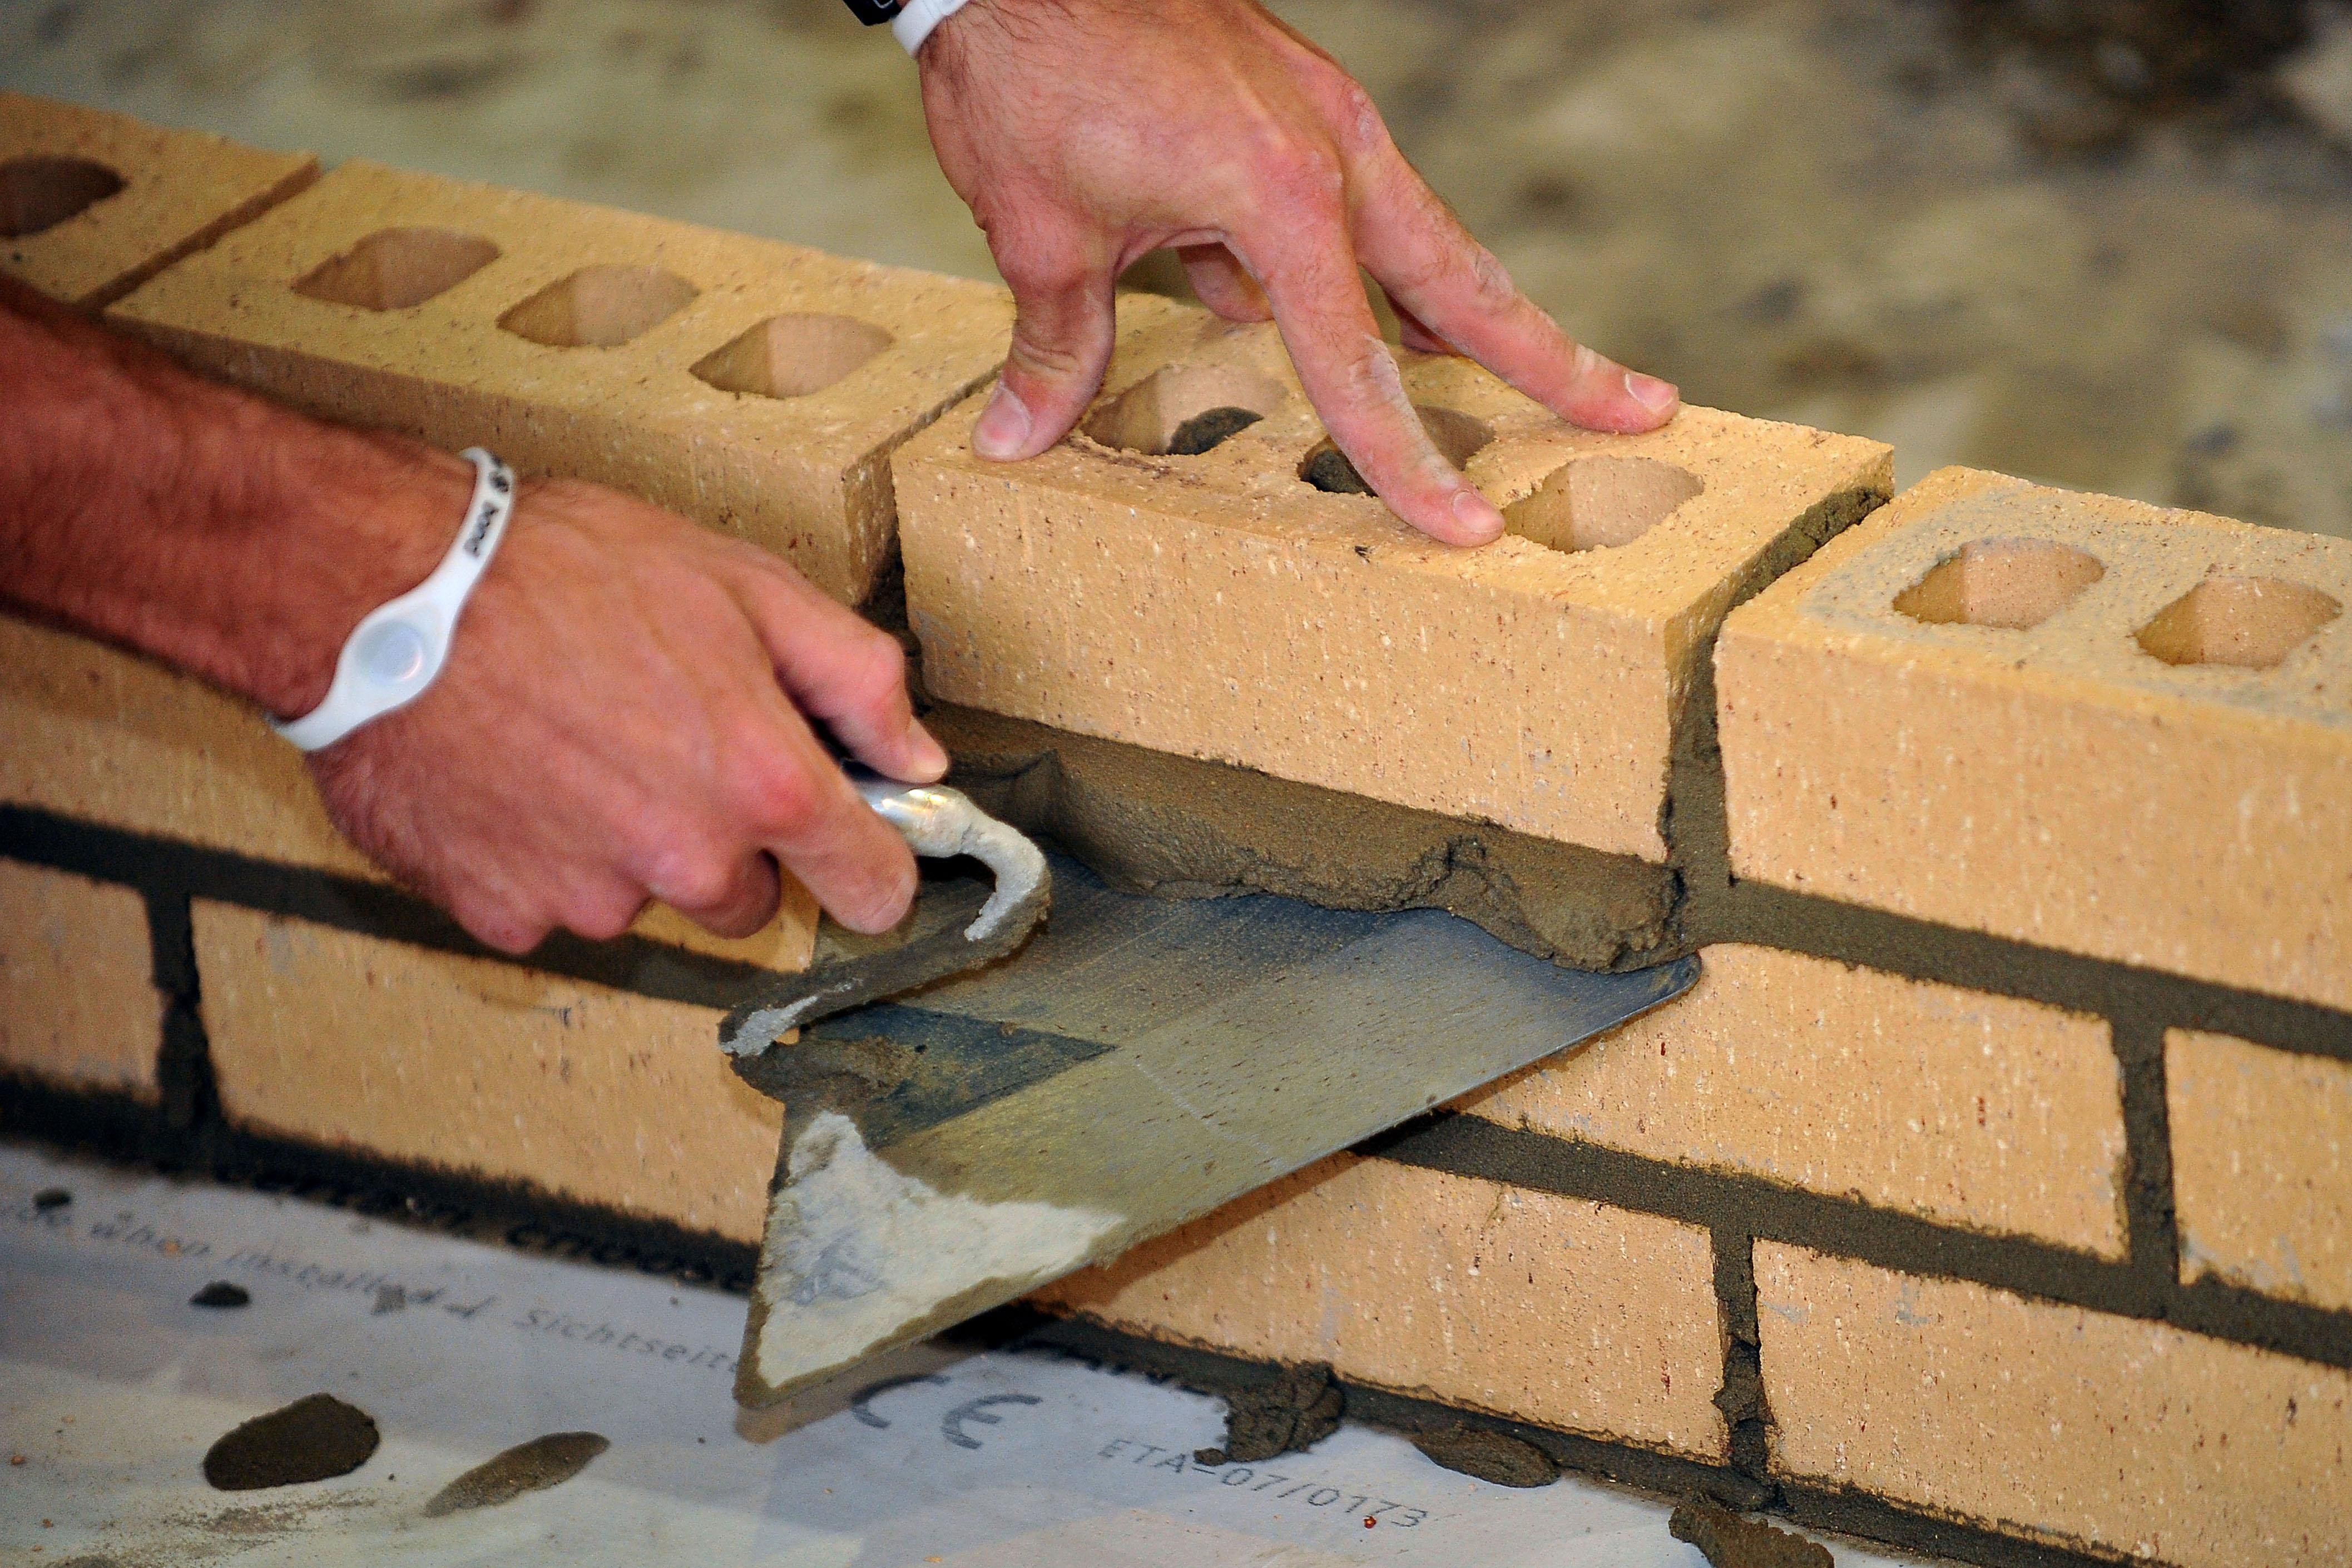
column 621, row 718
column 626, row 710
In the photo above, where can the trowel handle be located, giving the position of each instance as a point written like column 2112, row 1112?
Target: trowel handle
column 938, row 821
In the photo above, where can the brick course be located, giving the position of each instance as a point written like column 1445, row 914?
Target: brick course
column 482, row 1068
column 1218, row 606
column 1556, row 1311
column 567, row 338
column 2064, row 783
column 1974, row 1110
column 2070, row 1426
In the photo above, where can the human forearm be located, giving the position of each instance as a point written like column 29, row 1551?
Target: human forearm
column 207, row 527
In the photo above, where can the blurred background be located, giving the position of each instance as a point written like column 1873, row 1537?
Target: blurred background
column 2098, row 243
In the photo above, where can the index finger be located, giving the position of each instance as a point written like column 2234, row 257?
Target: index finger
column 1308, row 272
column 1433, row 268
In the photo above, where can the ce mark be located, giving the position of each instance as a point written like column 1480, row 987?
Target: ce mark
column 952, row 1425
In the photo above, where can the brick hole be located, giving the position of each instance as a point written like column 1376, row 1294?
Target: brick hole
column 1149, row 415
column 2251, row 623
column 792, row 356
column 600, row 307
column 2013, row 584
column 41, row 193
column 1459, row 435
column 1601, row 503
column 393, row 269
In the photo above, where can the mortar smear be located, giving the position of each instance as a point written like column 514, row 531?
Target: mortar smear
column 535, row 1466
column 1490, row 1456
column 1300, row 1408
column 1727, row 1541
column 1176, row 827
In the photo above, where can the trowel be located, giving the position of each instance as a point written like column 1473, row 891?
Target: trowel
column 1025, row 1107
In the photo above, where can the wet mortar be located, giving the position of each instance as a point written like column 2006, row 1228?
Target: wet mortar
column 1176, row 827
column 1208, row 429
column 544, row 1462
column 1297, row 1410
column 1727, row 1541
column 315, row 1439
column 1490, row 1456
column 1329, row 471
column 221, row 1294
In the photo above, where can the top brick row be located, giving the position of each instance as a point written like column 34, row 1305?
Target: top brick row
column 2079, row 723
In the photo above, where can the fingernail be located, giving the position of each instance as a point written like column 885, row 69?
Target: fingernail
column 1477, row 514
column 1004, row 425
column 1651, row 394
column 930, row 758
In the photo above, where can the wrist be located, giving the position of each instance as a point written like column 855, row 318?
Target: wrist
column 355, row 539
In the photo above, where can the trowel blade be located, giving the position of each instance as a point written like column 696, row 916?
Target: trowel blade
column 1141, row 1063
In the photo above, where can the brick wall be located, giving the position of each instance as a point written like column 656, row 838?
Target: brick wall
column 1990, row 1193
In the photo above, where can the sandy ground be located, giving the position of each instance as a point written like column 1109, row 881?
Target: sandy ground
column 1819, row 210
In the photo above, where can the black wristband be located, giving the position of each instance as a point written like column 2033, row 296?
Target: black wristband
column 873, row 12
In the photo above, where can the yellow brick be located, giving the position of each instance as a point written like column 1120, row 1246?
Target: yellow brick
column 2261, row 1167
column 78, row 1008
column 2070, row 1426
column 1219, row 606
column 98, row 735
column 1975, row 1110
column 404, row 282
column 93, row 204
column 2066, row 783
column 479, row 1067
column 1556, row 1311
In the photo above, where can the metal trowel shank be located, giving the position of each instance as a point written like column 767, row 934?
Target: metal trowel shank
column 939, row 937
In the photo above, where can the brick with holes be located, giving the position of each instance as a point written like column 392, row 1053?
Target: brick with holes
column 757, row 387
column 93, row 204
column 2080, row 722
column 1218, row 603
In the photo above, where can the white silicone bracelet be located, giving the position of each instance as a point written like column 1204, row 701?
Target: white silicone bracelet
column 916, row 19
column 398, row 649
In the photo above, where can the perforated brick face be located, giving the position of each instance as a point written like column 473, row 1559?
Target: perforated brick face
column 2156, row 770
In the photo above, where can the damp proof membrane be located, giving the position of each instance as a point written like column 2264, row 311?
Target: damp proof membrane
column 113, row 1387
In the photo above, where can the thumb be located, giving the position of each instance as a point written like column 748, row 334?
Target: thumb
column 1062, row 334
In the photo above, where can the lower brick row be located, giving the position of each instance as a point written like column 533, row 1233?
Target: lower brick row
column 2008, row 1414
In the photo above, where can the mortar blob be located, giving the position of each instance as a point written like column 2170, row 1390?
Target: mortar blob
column 316, row 1439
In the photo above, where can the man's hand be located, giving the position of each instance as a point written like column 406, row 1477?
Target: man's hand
column 626, row 709
column 1084, row 135
column 621, row 718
